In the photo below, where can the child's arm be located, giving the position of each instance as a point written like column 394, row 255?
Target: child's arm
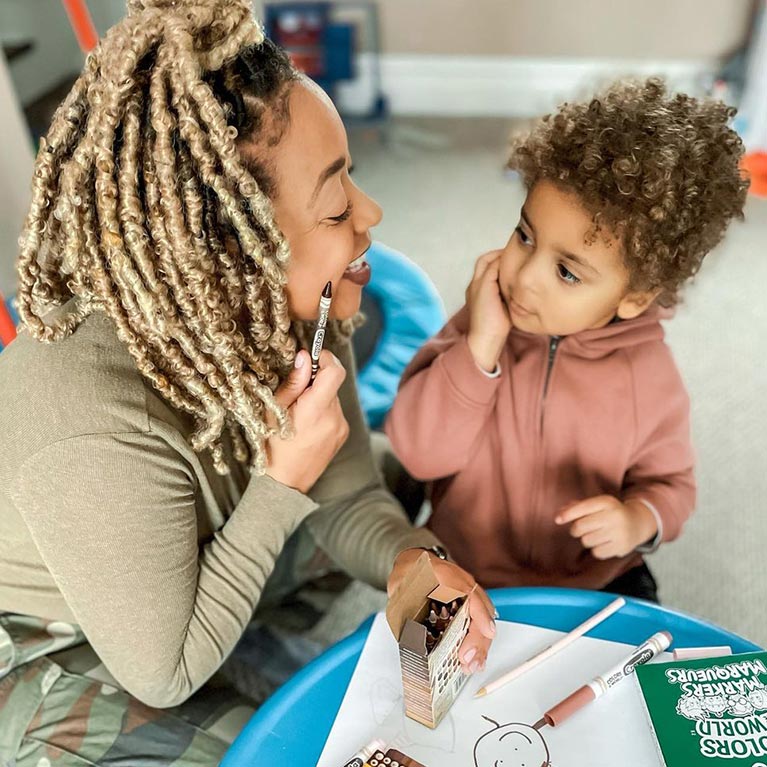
column 662, row 471
column 450, row 387
column 659, row 487
column 442, row 406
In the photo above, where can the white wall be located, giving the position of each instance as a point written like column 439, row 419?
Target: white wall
column 55, row 55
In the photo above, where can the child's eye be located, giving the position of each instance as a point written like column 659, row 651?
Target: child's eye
column 523, row 238
column 566, row 275
column 343, row 217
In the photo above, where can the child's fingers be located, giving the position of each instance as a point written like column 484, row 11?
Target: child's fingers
column 491, row 273
column 596, row 539
column 584, row 508
column 605, row 551
column 588, row 524
column 483, row 262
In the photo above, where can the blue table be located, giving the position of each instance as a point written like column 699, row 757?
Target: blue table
column 292, row 726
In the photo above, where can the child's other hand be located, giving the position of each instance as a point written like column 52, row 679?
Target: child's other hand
column 609, row 527
column 489, row 320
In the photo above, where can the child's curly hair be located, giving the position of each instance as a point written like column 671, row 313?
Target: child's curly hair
column 661, row 172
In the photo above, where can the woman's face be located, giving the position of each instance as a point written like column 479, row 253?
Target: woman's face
column 324, row 216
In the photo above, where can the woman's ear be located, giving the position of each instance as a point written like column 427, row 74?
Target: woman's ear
column 635, row 303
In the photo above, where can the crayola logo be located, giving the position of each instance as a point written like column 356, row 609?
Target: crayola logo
column 638, row 660
column 318, row 339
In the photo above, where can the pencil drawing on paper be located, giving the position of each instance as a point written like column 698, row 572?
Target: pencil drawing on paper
column 511, row 745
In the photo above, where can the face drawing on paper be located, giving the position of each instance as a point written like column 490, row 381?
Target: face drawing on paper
column 511, row 745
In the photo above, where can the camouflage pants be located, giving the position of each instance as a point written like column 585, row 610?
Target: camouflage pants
column 60, row 707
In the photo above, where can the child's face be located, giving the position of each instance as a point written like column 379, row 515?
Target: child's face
column 552, row 281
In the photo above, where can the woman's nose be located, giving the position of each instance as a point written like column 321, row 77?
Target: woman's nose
column 367, row 212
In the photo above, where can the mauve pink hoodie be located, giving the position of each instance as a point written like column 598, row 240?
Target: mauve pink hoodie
column 600, row 412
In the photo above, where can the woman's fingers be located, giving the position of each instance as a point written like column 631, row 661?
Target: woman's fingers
column 325, row 388
column 295, row 384
column 473, row 652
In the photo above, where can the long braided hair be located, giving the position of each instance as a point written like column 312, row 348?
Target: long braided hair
column 145, row 208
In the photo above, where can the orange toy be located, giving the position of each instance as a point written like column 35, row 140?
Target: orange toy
column 755, row 164
column 7, row 328
column 80, row 19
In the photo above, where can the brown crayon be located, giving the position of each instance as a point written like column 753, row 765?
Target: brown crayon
column 403, row 759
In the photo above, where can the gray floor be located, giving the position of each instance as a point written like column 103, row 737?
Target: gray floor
column 446, row 200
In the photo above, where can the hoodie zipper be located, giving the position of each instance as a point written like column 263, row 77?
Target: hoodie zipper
column 554, row 342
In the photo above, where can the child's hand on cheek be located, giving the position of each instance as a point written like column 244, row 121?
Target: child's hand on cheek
column 489, row 320
column 609, row 527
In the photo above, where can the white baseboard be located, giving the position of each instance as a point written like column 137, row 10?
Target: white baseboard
column 474, row 86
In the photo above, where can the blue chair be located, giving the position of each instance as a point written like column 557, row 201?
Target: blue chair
column 403, row 310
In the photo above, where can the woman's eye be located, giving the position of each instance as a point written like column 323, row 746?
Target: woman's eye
column 343, row 217
column 523, row 238
column 566, row 275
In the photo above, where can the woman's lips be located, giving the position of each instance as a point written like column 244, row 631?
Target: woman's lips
column 359, row 275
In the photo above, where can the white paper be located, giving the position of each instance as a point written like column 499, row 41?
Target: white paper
column 612, row 730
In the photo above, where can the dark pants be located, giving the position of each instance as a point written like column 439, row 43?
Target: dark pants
column 638, row 582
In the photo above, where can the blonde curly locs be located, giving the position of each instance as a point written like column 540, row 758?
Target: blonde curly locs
column 661, row 172
column 143, row 208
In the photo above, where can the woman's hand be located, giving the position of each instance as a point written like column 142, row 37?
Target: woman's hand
column 473, row 651
column 320, row 428
column 489, row 320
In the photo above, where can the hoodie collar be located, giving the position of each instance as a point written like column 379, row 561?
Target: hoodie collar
column 600, row 342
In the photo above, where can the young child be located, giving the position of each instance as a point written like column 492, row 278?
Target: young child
column 548, row 414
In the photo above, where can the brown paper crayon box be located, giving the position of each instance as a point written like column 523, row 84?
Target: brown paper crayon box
column 431, row 680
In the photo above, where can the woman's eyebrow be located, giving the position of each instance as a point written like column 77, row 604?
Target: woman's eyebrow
column 326, row 174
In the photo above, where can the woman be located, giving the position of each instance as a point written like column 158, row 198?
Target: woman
column 164, row 455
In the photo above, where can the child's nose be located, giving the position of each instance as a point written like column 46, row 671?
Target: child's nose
column 527, row 278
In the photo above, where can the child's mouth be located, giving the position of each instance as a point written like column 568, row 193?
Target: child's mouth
column 518, row 309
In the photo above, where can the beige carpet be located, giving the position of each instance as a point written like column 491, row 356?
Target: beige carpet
column 446, row 200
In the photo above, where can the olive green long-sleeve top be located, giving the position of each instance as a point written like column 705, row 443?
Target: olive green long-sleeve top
column 110, row 520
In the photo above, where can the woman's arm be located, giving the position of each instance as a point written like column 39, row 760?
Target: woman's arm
column 364, row 529
column 114, row 517
column 359, row 524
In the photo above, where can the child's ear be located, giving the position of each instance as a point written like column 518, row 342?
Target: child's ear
column 636, row 303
